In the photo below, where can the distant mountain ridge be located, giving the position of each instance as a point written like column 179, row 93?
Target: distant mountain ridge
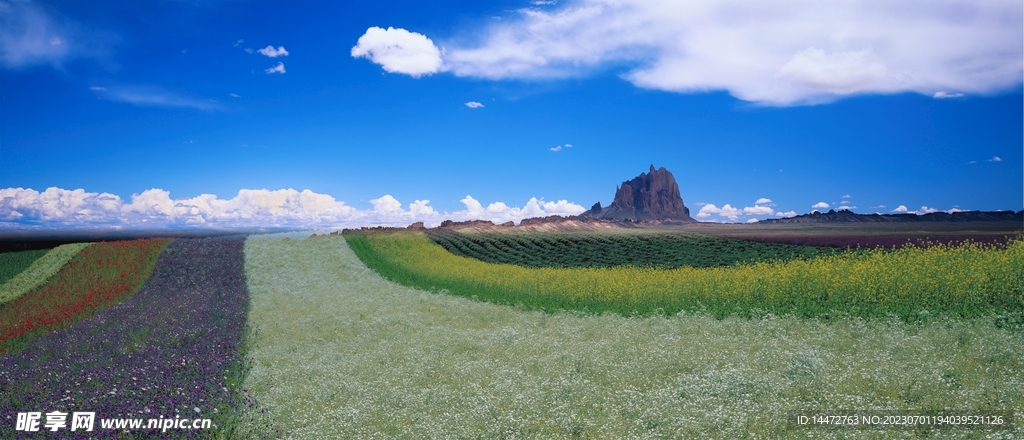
column 652, row 196
column 844, row 216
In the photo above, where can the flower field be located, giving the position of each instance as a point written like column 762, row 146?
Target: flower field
column 284, row 336
column 344, row 353
column 173, row 349
column 100, row 275
column 964, row 280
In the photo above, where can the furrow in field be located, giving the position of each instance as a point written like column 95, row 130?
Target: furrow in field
column 342, row 353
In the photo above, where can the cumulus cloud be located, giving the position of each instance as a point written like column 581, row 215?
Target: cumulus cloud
column 279, row 68
column 797, row 52
column 726, row 211
column 556, row 148
column 995, row 159
column 846, row 196
column 753, row 220
column 944, row 95
column 758, row 210
column 902, row 209
column 474, row 104
column 786, row 214
column 274, row 53
column 399, row 51
column 155, row 208
column 763, row 201
column 819, row 205
column 846, row 208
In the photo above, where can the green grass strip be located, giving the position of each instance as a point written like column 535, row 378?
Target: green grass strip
column 39, row 271
column 13, row 263
column 913, row 283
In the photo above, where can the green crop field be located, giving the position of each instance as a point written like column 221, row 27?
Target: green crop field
column 661, row 249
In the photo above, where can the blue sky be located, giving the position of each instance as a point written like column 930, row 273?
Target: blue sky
column 184, row 114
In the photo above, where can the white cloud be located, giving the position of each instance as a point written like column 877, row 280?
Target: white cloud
column 786, row 214
column 386, row 205
column 796, row 52
column 543, row 2
column 399, row 51
column 846, row 196
column 820, row 205
column 155, row 208
column 234, row 95
column 420, row 208
column 274, row 53
column 98, row 89
column 29, row 36
column 568, row 145
column 237, row 43
column 556, row 149
column 474, row 104
column 151, row 96
column 279, row 68
column 944, row 95
column 995, row 159
column 758, row 210
column 877, row 207
column 763, row 201
column 753, row 220
column 924, row 210
column 726, row 211
column 847, row 208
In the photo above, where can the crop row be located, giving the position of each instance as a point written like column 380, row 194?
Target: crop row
column 600, row 249
column 965, row 280
column 174, row 349
column 99, row 276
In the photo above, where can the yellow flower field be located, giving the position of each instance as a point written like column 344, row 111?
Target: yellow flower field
column 967, row 279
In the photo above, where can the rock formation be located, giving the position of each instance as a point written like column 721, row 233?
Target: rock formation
column 649, row 197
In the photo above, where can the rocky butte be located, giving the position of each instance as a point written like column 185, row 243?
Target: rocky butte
column 649, row 197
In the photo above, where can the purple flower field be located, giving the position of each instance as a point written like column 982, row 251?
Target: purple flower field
column 173, row 349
